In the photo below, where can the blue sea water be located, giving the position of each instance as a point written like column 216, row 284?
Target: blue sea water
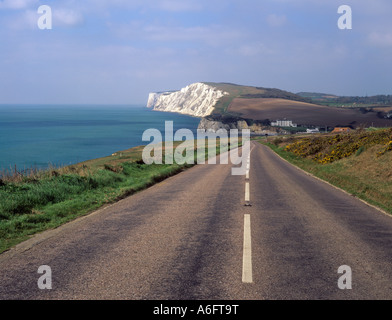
column 35, row 136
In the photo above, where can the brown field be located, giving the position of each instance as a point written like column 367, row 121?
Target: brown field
column 303, row 113
column 382, row 109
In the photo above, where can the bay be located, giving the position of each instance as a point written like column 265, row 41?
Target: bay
column 37, row 136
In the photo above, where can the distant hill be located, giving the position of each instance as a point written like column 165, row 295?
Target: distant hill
column 318, row 97
column 348, row 101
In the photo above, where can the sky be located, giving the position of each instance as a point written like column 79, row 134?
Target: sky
column 118, row 51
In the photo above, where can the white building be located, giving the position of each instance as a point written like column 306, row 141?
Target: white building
column 283, row 123
column 313, row 130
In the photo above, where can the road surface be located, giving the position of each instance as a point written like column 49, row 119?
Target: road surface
column 206, row 234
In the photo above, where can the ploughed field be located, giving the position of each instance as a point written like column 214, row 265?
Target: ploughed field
column 303, row 113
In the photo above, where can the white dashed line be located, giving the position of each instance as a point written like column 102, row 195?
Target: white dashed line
column 247, row 196
column 247, row 249
column 247, row 252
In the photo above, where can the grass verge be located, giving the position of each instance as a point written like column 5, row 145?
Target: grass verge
column 359, row 163
column 40, row 200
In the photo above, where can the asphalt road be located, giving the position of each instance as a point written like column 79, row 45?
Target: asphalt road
column 193, row 237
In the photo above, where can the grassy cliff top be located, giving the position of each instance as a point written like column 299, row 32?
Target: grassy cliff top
column 249, row 92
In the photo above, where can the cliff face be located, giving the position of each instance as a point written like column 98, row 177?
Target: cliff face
column 197, row 99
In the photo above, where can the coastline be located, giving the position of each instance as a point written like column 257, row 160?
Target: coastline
column 50, row 198
column 35, row 136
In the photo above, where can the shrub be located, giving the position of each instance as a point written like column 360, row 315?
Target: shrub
column 328, row 149
column 277, row 141
column 359, row 151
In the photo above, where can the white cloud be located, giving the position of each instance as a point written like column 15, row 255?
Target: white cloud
column 380, row 39
column 27, row 19
column 211, row 35
column 24, row 20
column 66, row 17
column 17, row 4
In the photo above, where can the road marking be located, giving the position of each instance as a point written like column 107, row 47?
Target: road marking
column 247, row 196
column 247, row 252
column 247, row 193
column 247, row 249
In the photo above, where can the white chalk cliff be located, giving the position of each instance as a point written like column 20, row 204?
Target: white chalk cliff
column 197, row 99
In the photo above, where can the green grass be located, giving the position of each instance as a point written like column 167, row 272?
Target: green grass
column 365, row 171
column 234, row 91
column 42, row 200
column 27, row 208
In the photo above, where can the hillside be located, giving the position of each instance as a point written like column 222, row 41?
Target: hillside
column 227, row 102
column 249, row 92
column 267, row 104
column 318, row 97
column 348, row 101
column 303, row 113
column 358, row 162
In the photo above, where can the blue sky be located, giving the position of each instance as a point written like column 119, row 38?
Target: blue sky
column 117, row 51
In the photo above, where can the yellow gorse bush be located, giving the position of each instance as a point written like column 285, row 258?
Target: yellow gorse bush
column 388, row 147
column 327, row 149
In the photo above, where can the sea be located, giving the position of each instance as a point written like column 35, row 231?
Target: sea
column 40, row 136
